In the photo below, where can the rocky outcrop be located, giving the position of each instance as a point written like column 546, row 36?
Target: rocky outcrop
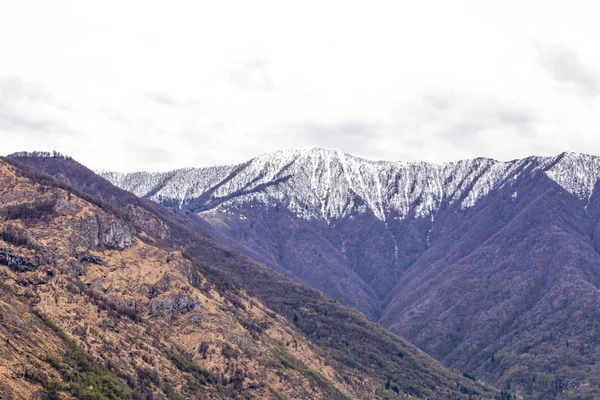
column 147, row 222
column 117, row 235
column 17, row 263
column 148, row 291
column 171, row 306
column 87, row 230
column 104, row 230
column 87, row 258
column 64, row 208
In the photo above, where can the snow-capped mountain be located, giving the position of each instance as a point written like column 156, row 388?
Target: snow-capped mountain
column 359, row 224
column 316, row 183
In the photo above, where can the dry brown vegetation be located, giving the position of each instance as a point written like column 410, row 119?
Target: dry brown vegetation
column 132, row 310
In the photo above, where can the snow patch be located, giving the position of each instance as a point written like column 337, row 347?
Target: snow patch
column 323, row 184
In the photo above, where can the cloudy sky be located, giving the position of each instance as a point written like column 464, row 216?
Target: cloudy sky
column 136, row 85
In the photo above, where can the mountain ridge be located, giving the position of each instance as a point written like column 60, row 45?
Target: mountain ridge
column 342, row 175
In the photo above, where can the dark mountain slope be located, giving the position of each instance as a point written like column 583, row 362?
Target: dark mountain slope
column 510, row 294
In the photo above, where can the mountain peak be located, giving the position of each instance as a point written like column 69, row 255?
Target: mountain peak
column 576, row 172
column 303, row 153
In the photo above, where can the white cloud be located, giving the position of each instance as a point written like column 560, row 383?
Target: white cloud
column 153, row 85
column 565, row 66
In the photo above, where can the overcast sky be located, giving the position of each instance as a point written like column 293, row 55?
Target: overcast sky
column 156, row 85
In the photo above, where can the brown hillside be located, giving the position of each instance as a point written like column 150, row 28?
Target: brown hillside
column 132, row 306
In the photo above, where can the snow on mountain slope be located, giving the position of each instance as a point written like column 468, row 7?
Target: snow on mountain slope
column 177, row 185
column 577, row 173
column 317, row 183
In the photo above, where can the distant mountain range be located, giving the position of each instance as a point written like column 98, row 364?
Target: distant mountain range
column 491, row 267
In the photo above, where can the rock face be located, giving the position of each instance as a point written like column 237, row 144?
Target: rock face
column 64, row 207
column 116, row 234
column 105, row 230
column 492, row 267
column 17, row 263
column 171, row 306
